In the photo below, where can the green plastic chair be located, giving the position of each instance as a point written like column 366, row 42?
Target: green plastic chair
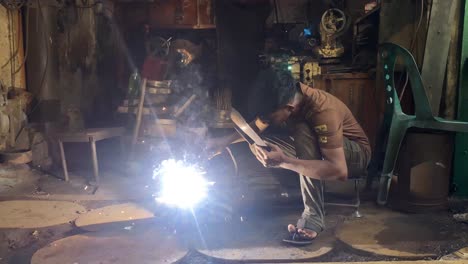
column 396, row 123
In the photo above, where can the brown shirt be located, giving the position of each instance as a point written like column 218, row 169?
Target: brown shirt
column 331, row 119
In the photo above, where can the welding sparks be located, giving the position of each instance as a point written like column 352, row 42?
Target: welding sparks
column 181, row 184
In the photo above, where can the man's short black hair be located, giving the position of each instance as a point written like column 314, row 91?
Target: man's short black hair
column 271, row 90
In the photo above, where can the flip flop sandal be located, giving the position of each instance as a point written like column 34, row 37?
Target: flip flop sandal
column 298, row 239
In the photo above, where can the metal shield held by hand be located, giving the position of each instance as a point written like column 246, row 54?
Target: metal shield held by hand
column 246, row 130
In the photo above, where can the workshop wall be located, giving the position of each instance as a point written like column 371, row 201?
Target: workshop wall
column 12, row 78
column 11, row 40
column 240, row 42
column 406, row 24
column 275, row 20
column 77, row 59
column 70, row 56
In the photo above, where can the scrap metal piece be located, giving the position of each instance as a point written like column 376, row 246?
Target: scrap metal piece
column 240, row 123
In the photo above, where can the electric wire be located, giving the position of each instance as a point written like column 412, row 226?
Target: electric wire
column 236, row 168
column 15, row 53
column 26, row 48
column 13, row 45
column 402, row 93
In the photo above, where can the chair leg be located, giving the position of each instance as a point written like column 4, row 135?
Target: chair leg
column 356, row 213
column 397, row 133
column 94, row 160
column 64, row 161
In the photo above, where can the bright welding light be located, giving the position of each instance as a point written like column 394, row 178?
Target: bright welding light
column 182, row 184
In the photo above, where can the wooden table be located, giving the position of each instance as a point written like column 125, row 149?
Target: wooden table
column 91, row 135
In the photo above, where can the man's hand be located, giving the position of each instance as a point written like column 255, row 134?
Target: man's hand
column 270, row 159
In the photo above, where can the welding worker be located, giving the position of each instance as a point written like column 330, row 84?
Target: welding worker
column 329, row 145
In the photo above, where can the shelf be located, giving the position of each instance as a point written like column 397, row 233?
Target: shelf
column 169, row 27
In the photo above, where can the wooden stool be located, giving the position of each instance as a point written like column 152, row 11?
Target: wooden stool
column 91, row 135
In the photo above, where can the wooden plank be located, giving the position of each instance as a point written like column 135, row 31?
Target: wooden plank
column 103, row 133
column 133, row 110
column 96, row 133
column 159, row 91
column 436, row 51
column 453, row 66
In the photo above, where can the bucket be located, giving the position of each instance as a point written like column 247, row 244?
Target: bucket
column 423, row 169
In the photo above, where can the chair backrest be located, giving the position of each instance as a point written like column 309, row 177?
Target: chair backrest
column 388, row 53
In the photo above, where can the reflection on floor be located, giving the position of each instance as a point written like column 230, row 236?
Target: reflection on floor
column 46, row 220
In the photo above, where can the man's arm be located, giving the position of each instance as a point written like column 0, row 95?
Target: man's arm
column 332, row 167
column 221, row 142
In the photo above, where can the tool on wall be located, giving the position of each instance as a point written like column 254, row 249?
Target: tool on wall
column 333, row 24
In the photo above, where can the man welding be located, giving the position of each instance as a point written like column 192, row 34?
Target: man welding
column 329, row 145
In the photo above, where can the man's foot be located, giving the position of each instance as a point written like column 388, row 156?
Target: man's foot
column 300, row 236
column 307, row 233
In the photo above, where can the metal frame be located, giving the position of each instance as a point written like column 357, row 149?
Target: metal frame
column 90, row 136
column 356, row 205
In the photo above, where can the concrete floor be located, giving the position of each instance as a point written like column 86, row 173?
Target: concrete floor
column 382, row 235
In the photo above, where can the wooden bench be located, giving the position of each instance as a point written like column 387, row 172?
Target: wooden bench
column 90, row 136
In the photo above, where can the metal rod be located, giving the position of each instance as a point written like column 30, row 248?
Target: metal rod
column 136, row 130
column 95, row 160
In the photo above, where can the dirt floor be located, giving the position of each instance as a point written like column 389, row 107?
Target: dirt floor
column 20, row 240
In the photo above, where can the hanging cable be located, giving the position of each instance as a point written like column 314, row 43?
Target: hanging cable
column 26, row 34
column 234, row 162
column 411, row 48
column 10, row 7
column 11, row 37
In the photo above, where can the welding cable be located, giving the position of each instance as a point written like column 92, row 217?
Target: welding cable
column 411, row 47
column 15, row 53
column 11, row 38
column 12, row 55
column 26, row 48
column 236, row 168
